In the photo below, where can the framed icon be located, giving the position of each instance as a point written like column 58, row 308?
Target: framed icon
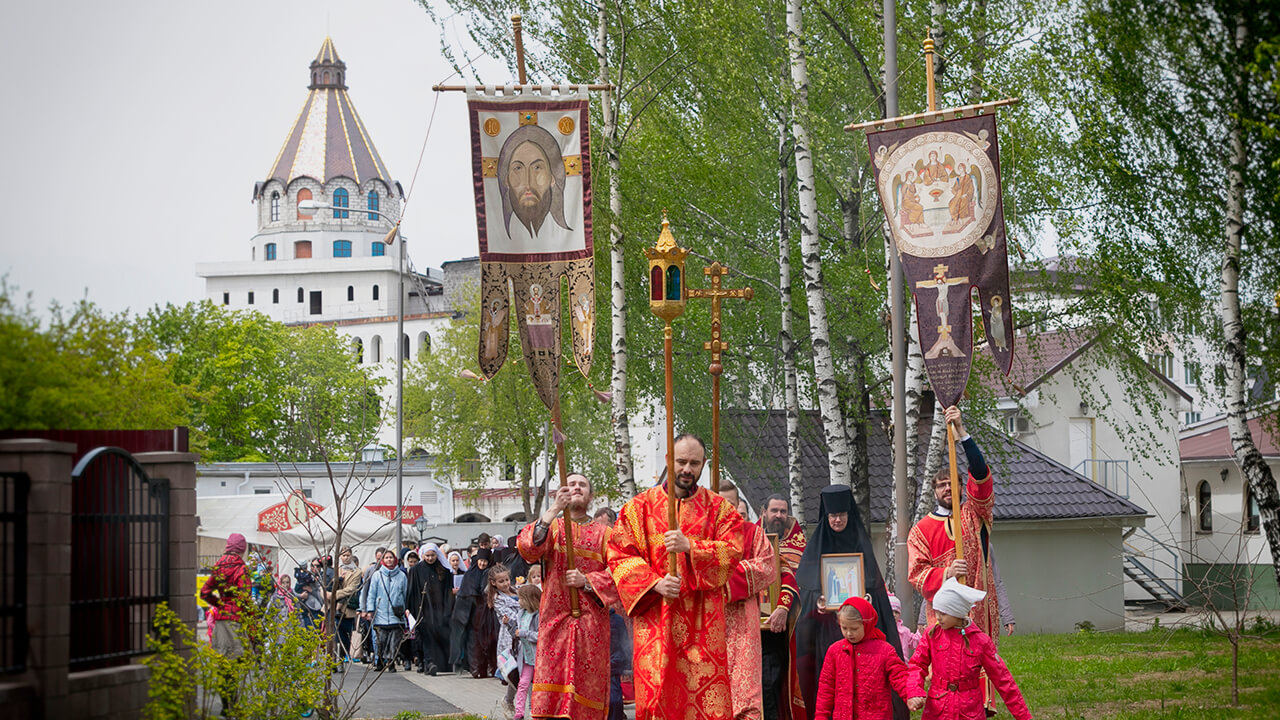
column 842, row 578
column 769, row 598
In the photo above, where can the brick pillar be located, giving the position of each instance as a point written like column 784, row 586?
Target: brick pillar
column 180, row 470
column 48, row 579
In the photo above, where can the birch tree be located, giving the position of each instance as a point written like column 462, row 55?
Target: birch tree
column 834, row 431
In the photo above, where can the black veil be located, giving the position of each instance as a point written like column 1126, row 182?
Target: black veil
column 815, row 632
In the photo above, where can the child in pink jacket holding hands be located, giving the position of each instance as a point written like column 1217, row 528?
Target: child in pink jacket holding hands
column 954, row 651
column 858, row 674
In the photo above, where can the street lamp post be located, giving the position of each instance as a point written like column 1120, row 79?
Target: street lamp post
column 310, row 207
column 421, row 525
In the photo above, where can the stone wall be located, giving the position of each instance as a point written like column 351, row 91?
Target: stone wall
column 47, row 689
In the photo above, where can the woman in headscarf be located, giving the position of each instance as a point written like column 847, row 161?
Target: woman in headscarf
column 470, row 596
column 839, row 531
column 431, row 602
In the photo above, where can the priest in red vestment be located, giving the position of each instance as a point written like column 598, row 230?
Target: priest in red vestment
column 753, row 576
column 781, row 683
column 571, row 675
column 681, row 664
column 931, row 548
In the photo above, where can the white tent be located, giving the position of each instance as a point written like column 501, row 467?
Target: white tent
column 364, row 532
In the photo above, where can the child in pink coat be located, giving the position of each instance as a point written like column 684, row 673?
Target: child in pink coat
column 909, row 638
column 953, row 652
column 859, row 674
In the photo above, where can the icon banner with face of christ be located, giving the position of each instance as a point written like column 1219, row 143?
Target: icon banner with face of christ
column 939, row 186
column 531, row 163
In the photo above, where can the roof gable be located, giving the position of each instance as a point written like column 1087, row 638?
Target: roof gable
column 1030, row 485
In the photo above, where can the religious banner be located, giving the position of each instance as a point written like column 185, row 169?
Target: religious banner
column 531, row 160
column 295, row 510
column 939, row 184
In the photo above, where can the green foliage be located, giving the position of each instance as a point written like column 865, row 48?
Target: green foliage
column 263, row 390
column 82, row 369
column 501, row 421
column 408, row 715
column 282, row 672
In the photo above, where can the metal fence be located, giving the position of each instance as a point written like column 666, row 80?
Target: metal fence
column 14, row 489
column 120, row 573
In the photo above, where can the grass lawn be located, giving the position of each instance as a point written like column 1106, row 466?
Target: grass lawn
column 1155, row 674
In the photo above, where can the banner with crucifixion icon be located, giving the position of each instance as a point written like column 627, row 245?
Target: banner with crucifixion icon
column 531, row 161
column 939, row 185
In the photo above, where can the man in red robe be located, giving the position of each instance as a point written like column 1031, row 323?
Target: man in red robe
column 571, row 675
column 781, row 684
column 931, row 546
column 681, row 664
column 752, row 577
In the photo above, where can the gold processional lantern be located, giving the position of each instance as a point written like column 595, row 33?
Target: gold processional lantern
column 667, row 298
column 667, row 295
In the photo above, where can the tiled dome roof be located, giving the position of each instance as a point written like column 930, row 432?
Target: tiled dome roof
column 328, row 139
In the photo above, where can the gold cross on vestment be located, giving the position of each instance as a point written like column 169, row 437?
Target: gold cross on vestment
column 715, row 346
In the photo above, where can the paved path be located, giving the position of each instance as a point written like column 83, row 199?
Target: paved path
column 386, row 694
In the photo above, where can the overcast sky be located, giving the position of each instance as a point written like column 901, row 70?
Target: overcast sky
column 134, row 131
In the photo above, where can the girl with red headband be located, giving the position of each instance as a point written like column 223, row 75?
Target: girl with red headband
column 858, row 674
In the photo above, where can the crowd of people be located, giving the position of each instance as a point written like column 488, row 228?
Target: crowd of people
column 716, row 618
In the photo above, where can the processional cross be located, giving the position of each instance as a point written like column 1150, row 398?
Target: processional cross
column 716, row 346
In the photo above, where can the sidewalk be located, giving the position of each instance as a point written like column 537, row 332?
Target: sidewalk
column 393, row 693
column 481, row 697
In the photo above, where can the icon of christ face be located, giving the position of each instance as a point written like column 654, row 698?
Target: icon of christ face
column 528, row 183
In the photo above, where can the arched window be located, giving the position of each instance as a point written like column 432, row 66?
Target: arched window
column 300, row 295
column 375, row 292
column 341, row 200
column 377, row 249
column 250, row 297
column 357, row 345
column 302, row 249
column 1204, row 507
column 269, row 251
column 351, row 293
column 375, row 349
column 424, row 343
column 342, row 248
column 373, row 204
column 404, row 349
column 275, row 296
column 275, row 206
column 303, row 194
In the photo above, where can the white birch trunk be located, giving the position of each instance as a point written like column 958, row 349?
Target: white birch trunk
column 925, row 501
column 617, row 272
column 785, row 337
column 1253, row 467
column 823, row 363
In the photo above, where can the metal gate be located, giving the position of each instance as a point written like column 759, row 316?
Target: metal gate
column 14, row 489
column 119, row 557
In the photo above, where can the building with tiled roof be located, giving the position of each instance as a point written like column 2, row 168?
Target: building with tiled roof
column 1228, row 559
column 1112, row 416
column 1061, row 536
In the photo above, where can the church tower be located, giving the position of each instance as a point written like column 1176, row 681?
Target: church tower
column 330, row 265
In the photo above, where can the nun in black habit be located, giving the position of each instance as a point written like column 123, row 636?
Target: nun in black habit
column 470, row 593
column 816, row 631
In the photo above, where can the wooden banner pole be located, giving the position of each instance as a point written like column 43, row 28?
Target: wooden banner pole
column 956, row 531
column 516, row 22
column 567, row 516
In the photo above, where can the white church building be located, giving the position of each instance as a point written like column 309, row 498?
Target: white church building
column 324, row 208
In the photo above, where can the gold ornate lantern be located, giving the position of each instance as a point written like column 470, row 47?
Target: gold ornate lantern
column 667, row 294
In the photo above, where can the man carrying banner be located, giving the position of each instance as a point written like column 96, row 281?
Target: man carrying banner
column 753, row 575
column 680, row 667
column 931, row 547
column 781, row 684
column 571, row 676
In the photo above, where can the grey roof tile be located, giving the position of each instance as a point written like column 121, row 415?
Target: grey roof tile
column 1029, row 484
